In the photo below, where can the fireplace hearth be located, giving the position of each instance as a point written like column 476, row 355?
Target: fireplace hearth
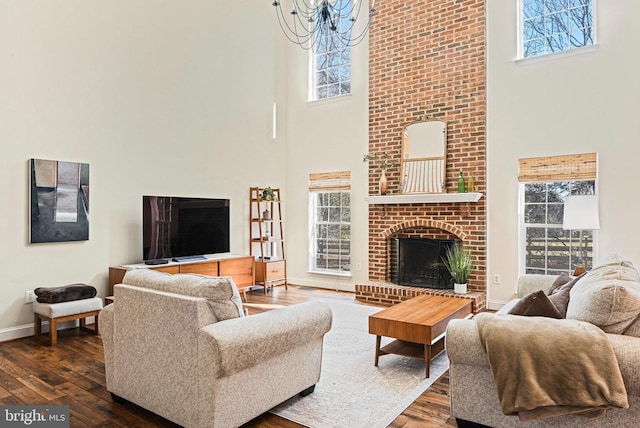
column 417, row 262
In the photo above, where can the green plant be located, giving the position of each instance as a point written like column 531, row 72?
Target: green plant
column 382, row 158
column 267, row 194
column 459, row 263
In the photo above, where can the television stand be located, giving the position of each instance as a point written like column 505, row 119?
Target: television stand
column 239, row 268
column 189, row 258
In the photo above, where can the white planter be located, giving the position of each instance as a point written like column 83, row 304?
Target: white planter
column 460, row 288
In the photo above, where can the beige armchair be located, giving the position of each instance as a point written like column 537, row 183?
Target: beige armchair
column 181, row 347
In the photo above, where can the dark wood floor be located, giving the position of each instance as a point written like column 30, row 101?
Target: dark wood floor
column 72, row 373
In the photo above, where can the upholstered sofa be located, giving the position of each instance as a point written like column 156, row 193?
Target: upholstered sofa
column 181, row 346
column 607, row 297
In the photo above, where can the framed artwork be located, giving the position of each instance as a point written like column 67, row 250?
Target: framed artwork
column 59, row 201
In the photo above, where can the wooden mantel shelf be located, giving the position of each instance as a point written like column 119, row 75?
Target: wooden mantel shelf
column 423, row 198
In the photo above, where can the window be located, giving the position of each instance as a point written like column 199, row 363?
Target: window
column 555, row 25
column 548, row 249
column 331, row 63
column 330, row 223
column 545, row 247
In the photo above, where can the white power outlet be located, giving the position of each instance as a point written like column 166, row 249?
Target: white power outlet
column 496, row 278
column 29, row 296
column 358, row 267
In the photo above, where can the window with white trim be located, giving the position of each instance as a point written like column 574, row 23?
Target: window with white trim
column 555, row 25
column 331, row 65
column 330, row 223
column 545, row 247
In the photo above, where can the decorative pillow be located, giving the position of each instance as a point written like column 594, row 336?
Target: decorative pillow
column 560, row 296
column 221, row 293
column 536, row 304
column 561, row 280
column 608, row 296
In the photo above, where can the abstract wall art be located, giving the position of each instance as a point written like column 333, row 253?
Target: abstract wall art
column 59, row 201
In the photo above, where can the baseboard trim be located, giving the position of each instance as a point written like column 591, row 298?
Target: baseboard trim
column 337, row 285
column 17, row 332
column 26, row 330
column 495, row 305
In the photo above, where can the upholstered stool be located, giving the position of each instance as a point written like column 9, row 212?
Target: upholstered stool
column 65, row 311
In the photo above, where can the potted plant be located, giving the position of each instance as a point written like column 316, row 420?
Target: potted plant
column 459, row 263
column 383, row 164
column 267, row 194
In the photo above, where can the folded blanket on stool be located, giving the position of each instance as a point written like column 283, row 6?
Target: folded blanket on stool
column 66, row 293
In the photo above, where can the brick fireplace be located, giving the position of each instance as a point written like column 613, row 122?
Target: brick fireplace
column 427, row 59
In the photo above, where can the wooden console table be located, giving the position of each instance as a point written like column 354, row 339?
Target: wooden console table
column 418, row 324
column 240, row 268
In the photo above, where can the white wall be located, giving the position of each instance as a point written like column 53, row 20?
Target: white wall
column 159, row 97
column 575, row 104
column 325, row 136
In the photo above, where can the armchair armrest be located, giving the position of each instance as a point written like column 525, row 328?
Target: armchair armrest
column 236, row 344
column 463, row 345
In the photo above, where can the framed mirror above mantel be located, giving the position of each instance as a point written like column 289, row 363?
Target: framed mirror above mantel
column 424, row 155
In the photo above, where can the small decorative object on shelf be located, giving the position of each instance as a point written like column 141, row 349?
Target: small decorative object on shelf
column 382, row 184
column 383, row 164
column 459, row 263
column 471, row 187
column 267, row 194
column 266, row 215
column 461, row 187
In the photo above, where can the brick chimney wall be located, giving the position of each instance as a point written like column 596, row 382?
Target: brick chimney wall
column 427, row 58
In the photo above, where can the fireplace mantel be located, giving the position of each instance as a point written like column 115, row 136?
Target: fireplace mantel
column 423, row 198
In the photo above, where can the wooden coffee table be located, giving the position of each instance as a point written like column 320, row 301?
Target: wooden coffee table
column 418, row 324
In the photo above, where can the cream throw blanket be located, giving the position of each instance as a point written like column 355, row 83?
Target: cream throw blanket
column 547, row 367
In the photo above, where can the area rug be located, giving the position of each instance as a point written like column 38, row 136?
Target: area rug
column 352, row 392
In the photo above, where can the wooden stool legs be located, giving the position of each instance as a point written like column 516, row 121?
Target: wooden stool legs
column 53, row 325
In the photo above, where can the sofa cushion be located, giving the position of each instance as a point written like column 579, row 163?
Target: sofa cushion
column 536, row 304
column 608, row 296
column 220, row 292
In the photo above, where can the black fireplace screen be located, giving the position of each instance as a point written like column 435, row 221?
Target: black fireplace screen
column 417, row 262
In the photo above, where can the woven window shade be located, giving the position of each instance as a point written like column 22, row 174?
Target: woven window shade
column 330, row 181
column 559, row 168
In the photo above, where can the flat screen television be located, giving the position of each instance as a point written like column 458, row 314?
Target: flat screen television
column 176, row 227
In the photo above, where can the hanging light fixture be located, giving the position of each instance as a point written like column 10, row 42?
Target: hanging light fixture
column 323, row 24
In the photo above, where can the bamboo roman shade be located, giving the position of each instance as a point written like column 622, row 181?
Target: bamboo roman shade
column 559, row 168
column 330, row 181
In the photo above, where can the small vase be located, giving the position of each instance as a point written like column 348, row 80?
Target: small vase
column 382, row 184
column 460, row 288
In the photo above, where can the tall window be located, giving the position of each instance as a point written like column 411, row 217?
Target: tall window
column 331, row 65
column 555, row 25
column 545, row 247
column 330, row 223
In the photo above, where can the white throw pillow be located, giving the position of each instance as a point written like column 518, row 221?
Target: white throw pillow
column 608, row 296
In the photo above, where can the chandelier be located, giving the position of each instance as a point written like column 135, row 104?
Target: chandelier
column 323, row 25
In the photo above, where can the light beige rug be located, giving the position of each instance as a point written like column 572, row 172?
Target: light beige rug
column 352, row 392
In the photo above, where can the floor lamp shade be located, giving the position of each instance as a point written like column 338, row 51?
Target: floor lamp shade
column 581, row 213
